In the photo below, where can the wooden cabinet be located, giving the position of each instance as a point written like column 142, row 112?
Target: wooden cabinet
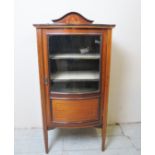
column 74, row 67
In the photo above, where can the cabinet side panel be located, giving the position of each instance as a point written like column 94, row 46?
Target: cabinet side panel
column 103, row 72
column 41, row 75
column 105, row 87
column 42, row 88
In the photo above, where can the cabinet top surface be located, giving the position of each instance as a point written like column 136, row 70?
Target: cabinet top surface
column 73, row 20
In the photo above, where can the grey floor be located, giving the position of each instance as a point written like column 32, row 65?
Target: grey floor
column 123, row 139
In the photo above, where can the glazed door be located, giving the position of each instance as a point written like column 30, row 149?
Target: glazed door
column 74, row 63
column 72, row 70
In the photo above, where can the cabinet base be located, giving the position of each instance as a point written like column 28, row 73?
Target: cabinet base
column 46, row 135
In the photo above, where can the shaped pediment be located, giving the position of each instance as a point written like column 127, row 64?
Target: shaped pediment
column 72, row 18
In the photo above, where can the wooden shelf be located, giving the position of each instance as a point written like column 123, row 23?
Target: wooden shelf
column 76, row 75
column 75, row 56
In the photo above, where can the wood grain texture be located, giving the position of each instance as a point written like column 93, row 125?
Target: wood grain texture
column 68, row 96
column 47, row 77
column 72, row 18
column 71, row 26
column 75, row 110
column 42, row 87
column 86, row 124
column 105, row 87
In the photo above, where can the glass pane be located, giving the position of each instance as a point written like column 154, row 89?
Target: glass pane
column 74, row 65
column 74, row 62
column 74, row 86
column 74, row 44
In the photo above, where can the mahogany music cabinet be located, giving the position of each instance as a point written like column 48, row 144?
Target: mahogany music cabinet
column 74, row 69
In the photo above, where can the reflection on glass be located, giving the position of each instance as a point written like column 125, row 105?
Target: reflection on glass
column 74, row 86
column 74, row 62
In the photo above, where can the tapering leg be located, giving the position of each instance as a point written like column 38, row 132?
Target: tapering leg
column 103, row 137
column 46, row 140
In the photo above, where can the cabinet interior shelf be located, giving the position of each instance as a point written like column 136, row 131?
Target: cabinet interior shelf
column 75, row 75
column 75, row 56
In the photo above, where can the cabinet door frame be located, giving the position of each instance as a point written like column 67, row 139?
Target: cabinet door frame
column 74, row 31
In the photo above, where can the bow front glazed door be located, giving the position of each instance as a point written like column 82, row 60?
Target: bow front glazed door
column 73, row 72
column 74, row 63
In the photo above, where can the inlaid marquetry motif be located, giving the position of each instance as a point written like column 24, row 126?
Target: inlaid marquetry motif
column 72, row 18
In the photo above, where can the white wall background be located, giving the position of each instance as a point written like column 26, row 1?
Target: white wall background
column 124, row 99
